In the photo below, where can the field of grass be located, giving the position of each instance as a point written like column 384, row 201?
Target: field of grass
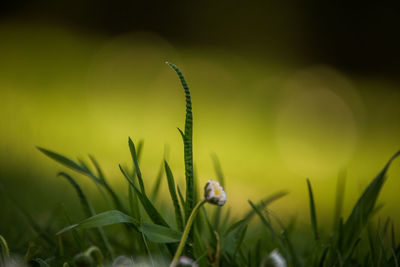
column 270, row 125
column 152, row 236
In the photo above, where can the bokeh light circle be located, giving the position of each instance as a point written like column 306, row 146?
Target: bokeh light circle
column 316, row 124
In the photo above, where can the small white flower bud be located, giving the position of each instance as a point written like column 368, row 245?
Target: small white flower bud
column 274, row 259
column 214, row 193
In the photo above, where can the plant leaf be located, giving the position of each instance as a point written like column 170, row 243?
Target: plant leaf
column 136, row 164
column 153, row 232
column 160, row 234
column 157, row 184
column 363, row 208
column 340, row 189
column 153, row 213
column 97, row 167
column 264, row 203
column 174, row 197
column 88, row 210
column 240, row 237
column 188, row 145
column 4, row 247
column 102, row 219
column 63, row 160
column 267, row 224
column 313, row 213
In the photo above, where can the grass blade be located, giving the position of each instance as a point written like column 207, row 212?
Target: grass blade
column 157, row 184
column 63, row 160
column 181, row 198
column 188, row 145
column 97, row 167
column 313, row 213
column 5, row 252
column 136, row 164
column 218, row 169
column 133, row 198
column 153, row 232
column 85, row 170
column 339, row 199
column 172, row 191
column 264, row 203
column 323, row 257
column 160, row 234
column 80, row 243
column 102, row 219
column 364, row 207
column 134, row 203
column 88, row 210
column 30, row 220
column 154, row 215
column 160, row 174
column 267, row 224
column 240, row 237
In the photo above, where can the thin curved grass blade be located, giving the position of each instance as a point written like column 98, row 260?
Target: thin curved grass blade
column 160, row 234
column 264, row 203
column 88, row 210
column 339, row 199
column 240, row 237
column 157, row 184
column 136, row 164
column 102, row 219
column 64, row 160
column 96, row 165
column 174, row 197
column 38, row 229
column 267, row 224
column 313, row 212
column 188, row 145
column 84, row 169
column 153, row 213
column 155, row 233
column 364, row 207
column 4, row 252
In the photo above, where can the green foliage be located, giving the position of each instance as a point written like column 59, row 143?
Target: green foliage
column 98, row 179
column 217, row 240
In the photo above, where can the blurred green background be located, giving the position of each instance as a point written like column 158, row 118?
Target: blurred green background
column 280, row 93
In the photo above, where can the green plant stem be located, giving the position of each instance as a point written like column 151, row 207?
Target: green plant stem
column 3, row 243
column 186, row 232
column 97, row 251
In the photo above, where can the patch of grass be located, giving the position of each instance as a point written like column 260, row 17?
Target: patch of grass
column 154, row 237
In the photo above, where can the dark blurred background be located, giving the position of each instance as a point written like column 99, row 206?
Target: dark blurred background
column 281, row 91
column 352, row 36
